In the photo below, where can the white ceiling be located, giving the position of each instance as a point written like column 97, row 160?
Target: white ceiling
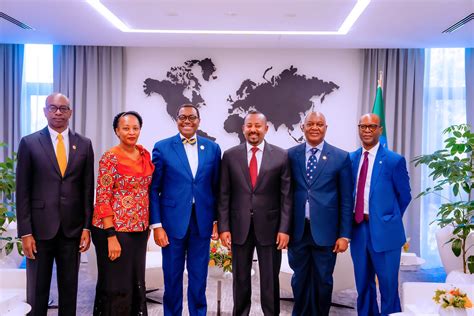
column 384, row 23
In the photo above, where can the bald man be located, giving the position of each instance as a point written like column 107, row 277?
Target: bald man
column 381, row 195
column 322, row 216
column 54, row 194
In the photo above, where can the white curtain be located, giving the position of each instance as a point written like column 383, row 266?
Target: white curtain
column 92, row 78
column 444, row 105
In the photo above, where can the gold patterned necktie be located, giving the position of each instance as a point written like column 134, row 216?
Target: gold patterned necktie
column 61, row 154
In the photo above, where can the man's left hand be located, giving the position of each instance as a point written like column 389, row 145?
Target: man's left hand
column 282, row 241
column 85, row 240
column 341, row 245
column 215, row 234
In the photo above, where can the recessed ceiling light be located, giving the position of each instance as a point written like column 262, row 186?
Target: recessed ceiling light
column 349, row 21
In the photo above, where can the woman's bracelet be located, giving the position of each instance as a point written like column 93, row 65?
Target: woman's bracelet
column 110, row 232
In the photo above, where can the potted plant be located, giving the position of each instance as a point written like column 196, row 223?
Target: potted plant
column 7, row 205
column 220, row 259
column 453, row 167
column 452, row 302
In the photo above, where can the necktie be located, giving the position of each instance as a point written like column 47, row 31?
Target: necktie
column 359, row 208
column 311, row 164
column 190, row 141
column 61, row 154
column 253, row 167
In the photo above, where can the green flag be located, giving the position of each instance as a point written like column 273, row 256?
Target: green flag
column 380, row 111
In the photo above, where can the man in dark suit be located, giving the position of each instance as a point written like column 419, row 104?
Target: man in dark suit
column 54, row 197
column 183, row 210
column 255, row 212
column 382, row 195
column 322, row 216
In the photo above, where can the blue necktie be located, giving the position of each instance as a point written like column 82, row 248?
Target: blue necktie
column 311, row 164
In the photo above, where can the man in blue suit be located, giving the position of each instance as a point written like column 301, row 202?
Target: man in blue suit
column 183, row 210
column 322, row 216
column 382, row 195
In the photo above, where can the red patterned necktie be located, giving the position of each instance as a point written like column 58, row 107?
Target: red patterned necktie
column 359, row 208
column 253, row 167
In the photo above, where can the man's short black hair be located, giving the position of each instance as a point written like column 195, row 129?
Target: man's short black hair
column 122, row 114
column 188, row 105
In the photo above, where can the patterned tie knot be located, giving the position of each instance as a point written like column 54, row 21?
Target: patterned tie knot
column 60, row 137
column 314, row 151
column 254, row 150
column 190, row 141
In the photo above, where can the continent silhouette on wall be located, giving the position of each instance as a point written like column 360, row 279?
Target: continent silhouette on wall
column 180, row 83
column 283, row 99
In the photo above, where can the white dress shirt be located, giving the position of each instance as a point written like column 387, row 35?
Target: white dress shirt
column 258, row 154
column 54, row 139
column 372, row 153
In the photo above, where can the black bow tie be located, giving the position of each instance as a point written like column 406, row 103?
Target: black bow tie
column 191, row 141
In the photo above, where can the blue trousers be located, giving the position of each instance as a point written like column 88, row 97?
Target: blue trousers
column 367, row 264
column 194, row 251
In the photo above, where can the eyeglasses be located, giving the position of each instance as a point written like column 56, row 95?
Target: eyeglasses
column 371, row 127
column 53, row 108
column 191, row 118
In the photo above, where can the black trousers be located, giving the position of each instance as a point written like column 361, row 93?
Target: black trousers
column 65, row 252
column 120, row 289
column 269, row 262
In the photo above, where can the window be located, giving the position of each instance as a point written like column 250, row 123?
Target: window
column 37, row 85
column 444, row 105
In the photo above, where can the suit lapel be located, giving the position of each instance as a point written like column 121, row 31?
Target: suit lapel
column 179, row 149
column 377, row 168
column 244, row 164
column 266, row 158
column 323, row 159
column 72, row 150
column 301, row 160
column 202, row 155
column 47, row 144
column 355, row 168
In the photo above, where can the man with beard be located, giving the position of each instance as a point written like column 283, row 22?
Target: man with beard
column 183, row 197
column 255, row 212
column 381, row 197
column 322, row 216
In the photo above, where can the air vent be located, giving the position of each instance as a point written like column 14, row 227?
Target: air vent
column 15, row 21
column 459, row 24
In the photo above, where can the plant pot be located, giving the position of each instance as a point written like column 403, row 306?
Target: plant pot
column 459, row 277
column 452, row 311
column 216, row 272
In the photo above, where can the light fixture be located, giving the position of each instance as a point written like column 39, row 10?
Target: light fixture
column 349, row 21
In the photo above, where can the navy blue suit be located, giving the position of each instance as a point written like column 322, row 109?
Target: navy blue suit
column 376, row 243
column 186, row 208
column 330, row 203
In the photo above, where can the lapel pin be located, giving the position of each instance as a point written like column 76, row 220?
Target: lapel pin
column 380, row 161
column 324, row 158
column 74, row 147
column 202, row 147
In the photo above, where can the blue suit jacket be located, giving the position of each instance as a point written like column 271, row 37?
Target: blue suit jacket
column 388, row 198
column 329, row 195
column 173, row 186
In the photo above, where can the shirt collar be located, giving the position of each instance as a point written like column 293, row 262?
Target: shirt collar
column 319, row 147
column 260, row 147
column 55, row 134
column 182, row 137
column 372, row 151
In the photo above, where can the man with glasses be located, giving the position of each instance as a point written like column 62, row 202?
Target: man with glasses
column 322, row 216
column 183, row 210
column 381, row 194
column 54, row 194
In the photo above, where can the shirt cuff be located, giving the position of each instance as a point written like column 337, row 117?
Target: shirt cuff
column 157, row 225
column 26, row 235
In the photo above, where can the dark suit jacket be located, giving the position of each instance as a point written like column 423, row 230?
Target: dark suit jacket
column 388, row 198
column 45, row 200
column 329, row 195
column 270, row 200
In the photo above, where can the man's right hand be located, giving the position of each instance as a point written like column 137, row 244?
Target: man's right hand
column 160, row 236
column 29, row 246
column 226, row 239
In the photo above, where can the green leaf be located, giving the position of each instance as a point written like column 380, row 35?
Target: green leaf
column 456, row 189
column 470, row 264
column 456, row 247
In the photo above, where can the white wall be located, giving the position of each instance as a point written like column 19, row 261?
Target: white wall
column 342, row 66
